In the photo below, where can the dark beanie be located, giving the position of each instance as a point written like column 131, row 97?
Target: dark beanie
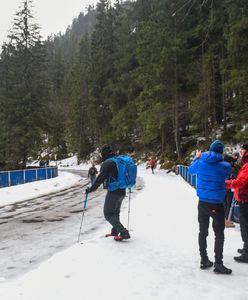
column 106, row 150
column 217, row 146
column 245, row 146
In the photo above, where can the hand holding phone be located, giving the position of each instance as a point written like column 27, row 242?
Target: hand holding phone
column 198, row 153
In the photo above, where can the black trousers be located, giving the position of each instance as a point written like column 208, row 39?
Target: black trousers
column 243, row 220
column 112, row 207
column 228, row 203
column 216, row 212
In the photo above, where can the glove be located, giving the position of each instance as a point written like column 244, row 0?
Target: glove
column 87, row 191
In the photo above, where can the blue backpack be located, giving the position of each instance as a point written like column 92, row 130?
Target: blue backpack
column 127, row 173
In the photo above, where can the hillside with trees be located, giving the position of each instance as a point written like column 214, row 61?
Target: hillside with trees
column 154, row 76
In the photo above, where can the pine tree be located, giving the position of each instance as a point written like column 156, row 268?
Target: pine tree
column 121, row 86
column 102, row 50
column 80, row 126
column 27, row 93
column 238, row 67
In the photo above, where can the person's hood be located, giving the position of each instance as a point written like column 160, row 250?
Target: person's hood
column 108, row 156
column 244, row 159
column 211, row 157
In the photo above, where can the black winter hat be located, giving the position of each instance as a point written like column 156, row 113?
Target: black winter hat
column 245, row 146
column 105, row 150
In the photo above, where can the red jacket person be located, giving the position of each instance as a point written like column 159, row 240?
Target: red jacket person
column 240, row 186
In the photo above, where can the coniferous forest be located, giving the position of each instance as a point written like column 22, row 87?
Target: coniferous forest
column 156, row 76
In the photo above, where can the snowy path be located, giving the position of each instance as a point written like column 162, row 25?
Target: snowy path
column 161, row 261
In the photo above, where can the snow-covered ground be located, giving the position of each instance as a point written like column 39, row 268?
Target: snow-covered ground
column 160, row 261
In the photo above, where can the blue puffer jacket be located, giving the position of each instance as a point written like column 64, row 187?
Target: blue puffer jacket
column 211, row 172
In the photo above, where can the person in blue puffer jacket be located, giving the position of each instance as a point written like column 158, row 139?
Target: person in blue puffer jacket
column 211, row 173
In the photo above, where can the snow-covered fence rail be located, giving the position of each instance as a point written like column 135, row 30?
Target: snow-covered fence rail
column 184, row 172
column 9, row 178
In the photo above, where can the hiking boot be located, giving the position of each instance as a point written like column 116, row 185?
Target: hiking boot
column 206, row 263
column 243, row 258
column 124, row 235
column 118, row 238
column 114, row 232
column 219, row 268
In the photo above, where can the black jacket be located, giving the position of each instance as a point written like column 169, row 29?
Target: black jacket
column 92, row 171
column 108, row 170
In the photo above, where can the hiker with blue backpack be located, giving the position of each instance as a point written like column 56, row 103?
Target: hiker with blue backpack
column 116, row 174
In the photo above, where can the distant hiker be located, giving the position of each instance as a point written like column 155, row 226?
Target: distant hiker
column 229, row 199
column 152, row 164
column 173, row 169
column 240, row 186
column 92, row 174
column 42, row 163
column 211, row 173
column 110, row 176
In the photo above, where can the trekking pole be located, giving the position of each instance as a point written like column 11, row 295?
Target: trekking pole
column 231, row 208
column 85, row 203
column 129, row 200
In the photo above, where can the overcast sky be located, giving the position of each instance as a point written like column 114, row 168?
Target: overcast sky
column 52, row 15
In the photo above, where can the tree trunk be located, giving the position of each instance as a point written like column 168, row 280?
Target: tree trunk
column 176, row 104
column 223, row 103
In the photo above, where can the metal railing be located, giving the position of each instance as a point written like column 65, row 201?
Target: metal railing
column 9, row 178
column 184, row 172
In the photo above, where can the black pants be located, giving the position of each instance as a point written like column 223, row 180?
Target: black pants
column 112, row 207
column 228, row 203
column 216, row 212
column 243, row 220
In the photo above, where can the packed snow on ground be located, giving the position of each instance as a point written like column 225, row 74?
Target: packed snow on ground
column 160, row 261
